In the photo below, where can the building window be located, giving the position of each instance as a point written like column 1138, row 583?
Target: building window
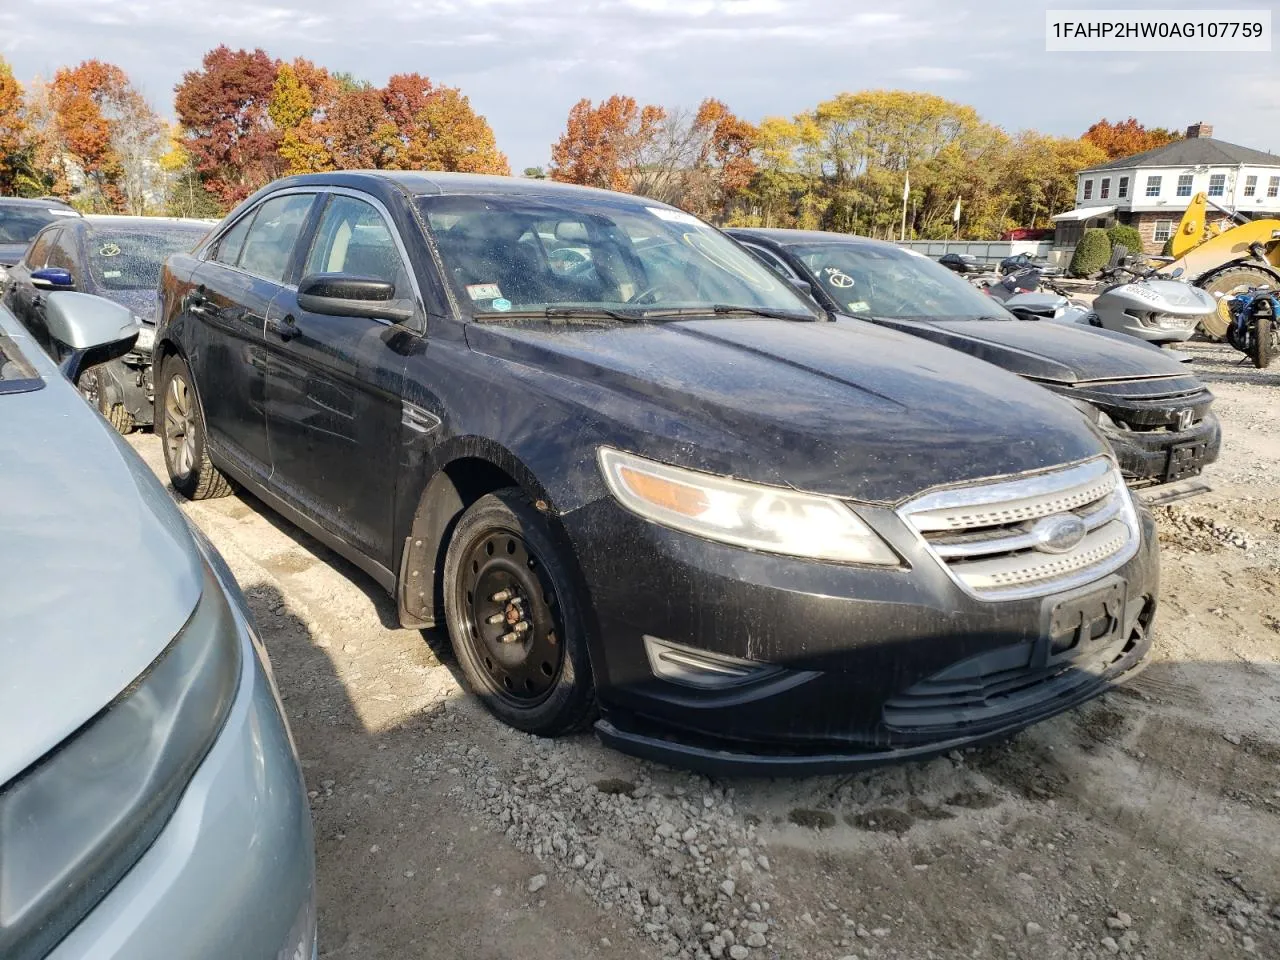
column 1184, row 185
column 1105, row 190
column 1122, row 189
column 1273, row 187
column 1217, row 184
column 1088, row 189
column 1162, row 231
column 1153, row 186
column 1250, row 186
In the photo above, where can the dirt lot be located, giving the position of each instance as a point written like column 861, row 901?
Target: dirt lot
column 1144, row 825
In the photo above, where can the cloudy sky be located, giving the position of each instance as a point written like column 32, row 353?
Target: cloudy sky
column 525, row 62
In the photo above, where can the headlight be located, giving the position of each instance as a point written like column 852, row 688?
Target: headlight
column 1094, row 415
column 73, row 824
column 773, row 519
column 146, row 336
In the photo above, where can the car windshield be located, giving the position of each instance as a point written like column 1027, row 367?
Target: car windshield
column 888, row 281
column 18, row 224
column 132, row 259
column 532, row 254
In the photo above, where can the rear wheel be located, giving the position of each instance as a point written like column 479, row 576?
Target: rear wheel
column 90, row 387
column 1222, row 287
column 180, row 422
column 514, row 619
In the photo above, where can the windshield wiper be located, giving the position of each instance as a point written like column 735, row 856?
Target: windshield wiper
column 559, row 313
column 727, row 309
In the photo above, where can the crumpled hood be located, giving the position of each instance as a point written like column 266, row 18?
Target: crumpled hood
column 98, row 570
column 845, row 408
column 1057, row 353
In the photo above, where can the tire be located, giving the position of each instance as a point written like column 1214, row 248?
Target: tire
column 1262, row 356
column 90, row 387
column 1228, row 282
column 180, row 423
column 503, row 563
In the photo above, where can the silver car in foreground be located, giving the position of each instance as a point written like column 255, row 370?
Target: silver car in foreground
column 151, row 802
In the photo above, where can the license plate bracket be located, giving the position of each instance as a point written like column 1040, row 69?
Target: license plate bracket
column 1085, row 620
column 1185, row 460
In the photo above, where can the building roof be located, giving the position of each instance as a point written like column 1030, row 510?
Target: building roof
column 1084, row 213
column 1191, row 152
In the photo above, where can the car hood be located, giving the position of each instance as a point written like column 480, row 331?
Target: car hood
column 1050, row 352
column 845, row 407
column 98, row 570
column 11, row 253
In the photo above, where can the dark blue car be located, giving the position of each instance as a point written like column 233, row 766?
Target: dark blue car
column 119, row 258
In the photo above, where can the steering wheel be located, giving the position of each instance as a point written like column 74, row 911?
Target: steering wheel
column 647, row 295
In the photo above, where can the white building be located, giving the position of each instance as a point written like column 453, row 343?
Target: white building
column 1151, row 190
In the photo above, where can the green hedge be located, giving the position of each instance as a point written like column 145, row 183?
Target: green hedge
column 1122, row 233
column 1092, row 253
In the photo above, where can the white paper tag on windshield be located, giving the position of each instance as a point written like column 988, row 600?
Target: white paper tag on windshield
column 675, row 216
column 59, row 212
column 483, row 291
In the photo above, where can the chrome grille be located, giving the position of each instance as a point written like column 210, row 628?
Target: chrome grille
column 995, row 539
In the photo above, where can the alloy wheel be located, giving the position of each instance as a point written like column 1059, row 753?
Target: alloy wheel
column 179, row 427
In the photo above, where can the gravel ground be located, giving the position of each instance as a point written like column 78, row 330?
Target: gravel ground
column 1146, row 824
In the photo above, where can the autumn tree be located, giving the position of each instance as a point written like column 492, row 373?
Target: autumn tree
column 606, row 146
column 13, row 128
column 1040, row 174
column 224, row 107
column 81, row 98
column 1127, row 137
column 437, row 129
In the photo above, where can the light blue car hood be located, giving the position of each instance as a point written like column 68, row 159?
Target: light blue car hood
column 98, row 569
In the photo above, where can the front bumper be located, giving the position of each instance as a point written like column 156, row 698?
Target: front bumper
column 232, row 874
column 867, row 656
column 1154, row 333
column 1157, row 457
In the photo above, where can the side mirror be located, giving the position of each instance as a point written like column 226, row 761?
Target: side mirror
column 801, row 286
column 88, row 330
column 347, row 295
column 52, row 278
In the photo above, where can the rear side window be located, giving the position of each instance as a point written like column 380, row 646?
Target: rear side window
column 353, row 238
column 269, row 245
column 232, row 242
column 38, row 251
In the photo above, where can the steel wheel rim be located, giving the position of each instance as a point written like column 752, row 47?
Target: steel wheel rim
column 511, row 618
column 179, row 427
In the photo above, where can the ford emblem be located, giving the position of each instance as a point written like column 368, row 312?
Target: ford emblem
column 1058, row 534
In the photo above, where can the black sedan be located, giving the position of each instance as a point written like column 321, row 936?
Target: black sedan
column 1025, row 261
column 114, row 257
column 1153, row 411
column 964, row 263
column 648, row 485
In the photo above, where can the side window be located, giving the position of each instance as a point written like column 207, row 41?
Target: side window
column 269, row 244
column 772, row 261
column 232, row 242
column 62, row 253
column 38, row 252
column 353, row 238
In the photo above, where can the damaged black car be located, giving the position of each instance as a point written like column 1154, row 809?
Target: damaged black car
column 1153, row 410
column 643, row 483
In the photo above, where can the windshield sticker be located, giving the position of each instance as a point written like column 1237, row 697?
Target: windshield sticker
column 109, row 250
column 859, row 306
column 112, row 274
column 675, row 216
column 483, row 291
column 502, row 304
column 838, row 278
column 61, row 213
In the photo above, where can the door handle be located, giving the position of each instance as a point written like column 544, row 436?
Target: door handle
column 284, row 328
column 197, row 302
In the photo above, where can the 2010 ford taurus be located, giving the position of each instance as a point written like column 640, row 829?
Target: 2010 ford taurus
column 644, row 483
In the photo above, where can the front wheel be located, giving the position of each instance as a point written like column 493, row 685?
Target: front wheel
column 514, row 617
column 92, row 389
column 180, row 423
column 1223, row 287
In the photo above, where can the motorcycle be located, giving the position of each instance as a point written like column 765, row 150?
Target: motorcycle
column 1254, row 330
column 1136, row 300
column 1020, row 293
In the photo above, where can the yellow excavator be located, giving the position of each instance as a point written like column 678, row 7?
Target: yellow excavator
column 1222, row 260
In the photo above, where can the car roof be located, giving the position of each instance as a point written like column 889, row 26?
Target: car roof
column 793, row 238
column 42, row 203
column 438, row 183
